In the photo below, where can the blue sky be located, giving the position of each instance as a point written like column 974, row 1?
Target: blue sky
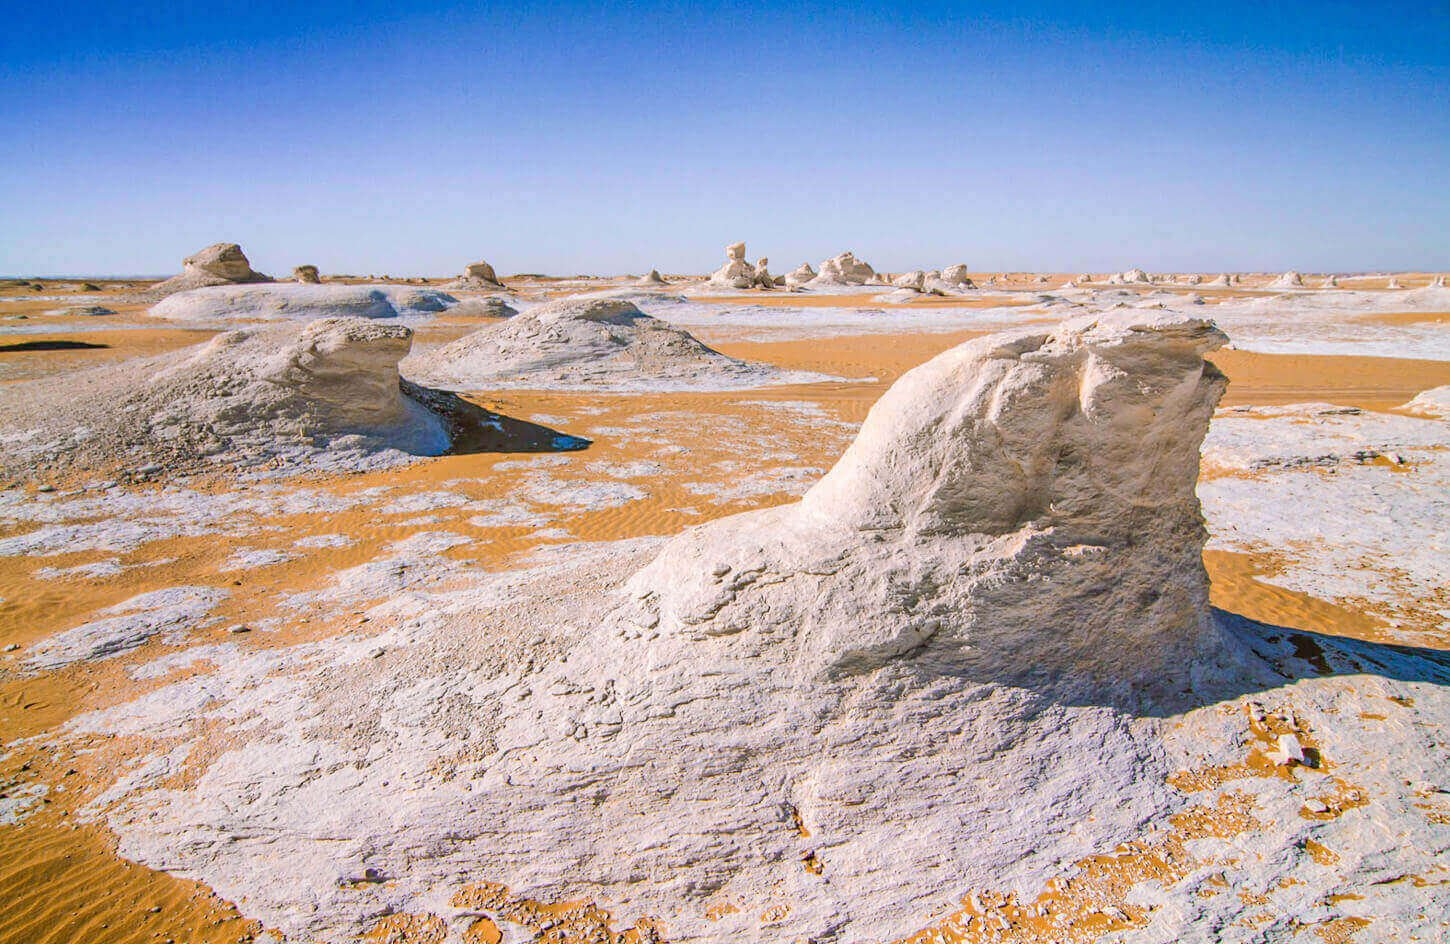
column 573, row 137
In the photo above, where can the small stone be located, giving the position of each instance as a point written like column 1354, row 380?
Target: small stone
column 1316, row 806
column 374, row 653
column 239, row 629
column 1288, row 753
column 45, row 488
column 12, row 647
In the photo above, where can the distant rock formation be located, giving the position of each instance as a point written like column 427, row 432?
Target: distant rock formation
column 915, row 279
column 1130, row 277
column 217, row 264
column 762, row 277
column 652, row 279
column 1194, row 279
column 477, row 277
column 1290, row 279
column 844, row 269
column 1330, row 282
column 307, row 275
column 583, row 343
column 1437, row 282
column 1394, row 282
column 1223, row 281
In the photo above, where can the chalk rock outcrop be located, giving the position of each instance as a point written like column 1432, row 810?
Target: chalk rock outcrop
column 958, row 276
column 1290, row 279
column 281, row 393
column 801, row 275
column 476, row 277
column 1223, row 281
column 1130, row 277
column 299, row 301
column 1437, row 282
column 307, row 275
column 915, row 279
column 1330, row 282
column 736, row 272
column 217, row 264
column 582, row 343
column 1194, row 279
column 1394, row 282
column 844, row 269
column 651, row 280
column 490, row 307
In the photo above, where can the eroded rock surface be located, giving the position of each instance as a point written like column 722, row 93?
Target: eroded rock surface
column 217, row 264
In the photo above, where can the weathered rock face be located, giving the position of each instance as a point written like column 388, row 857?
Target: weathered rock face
column 915, row 279
column 217, row 264
column 1062, row 459
column 844, row 269
column 1223, row 281
column 1290, row 279
column 652, row 279
column 1330, row 282
column 581, row 343
column 957, row 275
column 306, row 274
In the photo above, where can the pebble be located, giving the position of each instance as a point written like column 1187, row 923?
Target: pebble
column 12, row 647
column 240, row 629
column 45, row 488
column 1316, row 806
column 374, row 653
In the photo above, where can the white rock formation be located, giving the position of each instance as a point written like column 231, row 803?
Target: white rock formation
column 1437, row 282
column 1432, row 402
column 800, row 276
column 306, row 274
column 1330, row 282
column 1223, row 281
column 762, row 277
column 477, row 277
column 1130, row 277
column 957, row 275
column 489, row 307
column 1290, row 279
column 844, row 269
column 282, row 393
column 1195, row 279
column 1394, row 282
column 736, row 273
column 652, row 279
column 221, row 304
column 915, row 279
column 217, row 264
column 580, row 344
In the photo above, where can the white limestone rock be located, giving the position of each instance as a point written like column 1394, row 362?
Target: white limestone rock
column 844, row 269
column 1130, row 277
column 217, row 264
column 477, row 277
column 307, row 275
column 957, row 276
column 652, row 280
column 280, row 393
column 801, row 275
column 590, row 342
column 220, row 304
column 1290, row 279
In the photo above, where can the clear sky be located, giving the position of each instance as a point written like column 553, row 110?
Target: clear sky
column 564, row 137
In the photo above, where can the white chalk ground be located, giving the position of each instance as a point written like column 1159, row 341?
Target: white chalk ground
column 338, row 742
column 224, row 304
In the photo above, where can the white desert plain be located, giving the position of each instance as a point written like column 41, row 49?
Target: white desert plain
column 834, row 605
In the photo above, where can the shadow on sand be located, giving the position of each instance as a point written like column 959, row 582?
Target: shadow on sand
column 20, row 346
column 474, row 430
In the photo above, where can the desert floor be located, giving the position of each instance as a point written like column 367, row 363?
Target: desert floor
column 658, row 463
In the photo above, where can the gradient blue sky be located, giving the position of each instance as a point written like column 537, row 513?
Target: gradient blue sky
column 570, row 137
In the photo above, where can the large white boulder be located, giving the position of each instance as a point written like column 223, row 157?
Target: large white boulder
column 217, row 264
column 844, row 269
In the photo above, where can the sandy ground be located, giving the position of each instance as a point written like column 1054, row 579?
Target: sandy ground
column 669, row 461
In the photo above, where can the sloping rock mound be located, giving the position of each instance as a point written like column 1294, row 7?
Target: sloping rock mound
column 280, row 394
column 1432, row 402
column 307, row 275
column 217, row 264
column 490, row 307
column 652, row 279
column 839, row 713
column 1223, row 281
column 802, row 274
column 1330, row 282
column 300, row 301
column 1290, row 279
column 844, row 269
column 583, row 343
column 477, row 277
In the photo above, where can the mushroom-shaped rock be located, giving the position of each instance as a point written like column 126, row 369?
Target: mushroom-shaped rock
column 306, row 274
column 762, row 277
column 735, row 273
column 582, row 343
